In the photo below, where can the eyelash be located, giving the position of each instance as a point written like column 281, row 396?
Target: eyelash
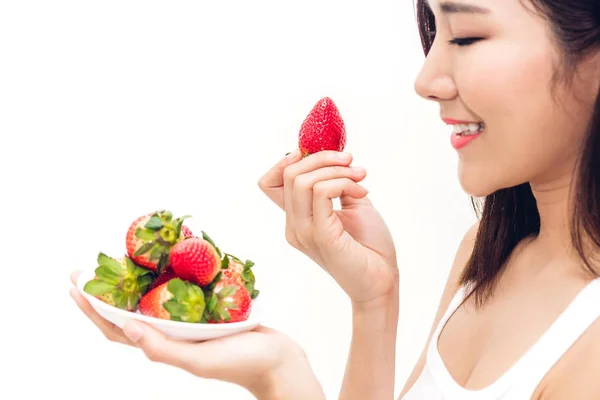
column 464, row 41
column 457, row 41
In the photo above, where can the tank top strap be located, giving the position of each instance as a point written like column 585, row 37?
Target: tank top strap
column 582, row 312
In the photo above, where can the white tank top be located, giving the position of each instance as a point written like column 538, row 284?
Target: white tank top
column 523, row 378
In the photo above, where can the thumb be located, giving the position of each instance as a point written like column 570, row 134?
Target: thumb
column 156, row 346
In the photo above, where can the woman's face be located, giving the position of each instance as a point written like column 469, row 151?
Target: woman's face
column 509, row 79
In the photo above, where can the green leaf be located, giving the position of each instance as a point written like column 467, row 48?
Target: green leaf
column 197, row 292
column 120, row 299
column 145, row 234
column 154, row 223
column 176, row 309
column 167, row 215
column 249, row 264
column 163, row 261
column 224, row 314
column 248, row 275
column 178, row 288
column 144, row 249
column 209, row 240
column 106, row 261
column 133, row 301
column 229, row 305
column 234, row 257
column 179, row 224
column 131, row 266
column 249, row 287
column 141, row 271
column 212, row 303
column 227, row 291
column 254, row 294
column 157, row 252
column 107, row 275
column 98, row 288
column 144, row 282
column 225, row 263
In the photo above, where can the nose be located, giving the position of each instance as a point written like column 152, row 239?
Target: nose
column 435, row 81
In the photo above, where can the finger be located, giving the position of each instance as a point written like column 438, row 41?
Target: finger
column 303, row 194
column 272, row 182
column 312, row 162
column 159, row 348
column 110, row 331
column 347, row 190
column 303, row 186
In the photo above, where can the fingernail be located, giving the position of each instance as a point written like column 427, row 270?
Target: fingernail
column 359, row 170
column 133, row 331
column 344, row 156
column 72, row 292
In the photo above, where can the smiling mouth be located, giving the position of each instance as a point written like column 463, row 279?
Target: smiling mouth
column 468, row 129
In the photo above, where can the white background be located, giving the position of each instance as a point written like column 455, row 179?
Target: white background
column 111, row 109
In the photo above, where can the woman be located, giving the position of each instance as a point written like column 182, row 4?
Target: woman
column 519, row 82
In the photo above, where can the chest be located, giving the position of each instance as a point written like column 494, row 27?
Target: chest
column 478, row 345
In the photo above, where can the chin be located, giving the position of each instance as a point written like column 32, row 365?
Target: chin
column 476, row 183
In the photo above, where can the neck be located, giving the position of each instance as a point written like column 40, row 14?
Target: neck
column 553, row 202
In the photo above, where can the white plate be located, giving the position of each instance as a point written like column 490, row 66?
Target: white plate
column 174, row 329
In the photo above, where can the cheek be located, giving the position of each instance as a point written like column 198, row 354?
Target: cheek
column 508, row 86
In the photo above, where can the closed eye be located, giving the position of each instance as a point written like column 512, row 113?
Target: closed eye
column 464, row 41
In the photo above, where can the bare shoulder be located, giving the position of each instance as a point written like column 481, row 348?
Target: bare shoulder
column 575, row 375
column 463, row 253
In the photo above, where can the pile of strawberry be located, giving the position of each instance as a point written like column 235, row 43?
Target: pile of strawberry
column 169, row 273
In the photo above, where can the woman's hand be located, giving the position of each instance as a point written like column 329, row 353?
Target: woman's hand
column 266, row 362
column 353, row 244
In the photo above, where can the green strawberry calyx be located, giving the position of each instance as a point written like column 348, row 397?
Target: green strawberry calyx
column 121, row 282
column 187, row 303
column 159, row 235
column 248, row 277
column 209, row 240
column 218, row 304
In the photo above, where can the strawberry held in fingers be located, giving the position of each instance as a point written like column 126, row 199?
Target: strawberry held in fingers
column 119, row 282
column 196, row 260
column 151, row 237
column 228, row 302
column 175, row 300
column 323, row 129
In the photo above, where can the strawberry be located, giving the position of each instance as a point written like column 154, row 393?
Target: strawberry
column 241, row 273
column 119, row 282
column 175, row 300
column 166, row 275
column 196, row 260
column 323, row 129
column 151, row 237
column 186, row 232
column 228, row 302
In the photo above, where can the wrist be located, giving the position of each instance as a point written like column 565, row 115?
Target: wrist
column 387, row 301
column 292, row 379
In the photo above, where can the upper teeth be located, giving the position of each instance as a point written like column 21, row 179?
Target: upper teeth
column 468, row 129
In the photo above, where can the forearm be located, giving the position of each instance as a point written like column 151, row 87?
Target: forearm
column 370, row 371
column 294, row 380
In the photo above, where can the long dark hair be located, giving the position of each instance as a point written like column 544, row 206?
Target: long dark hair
column 509, row 215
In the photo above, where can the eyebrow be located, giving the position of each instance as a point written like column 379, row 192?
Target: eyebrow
column 452, row 7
